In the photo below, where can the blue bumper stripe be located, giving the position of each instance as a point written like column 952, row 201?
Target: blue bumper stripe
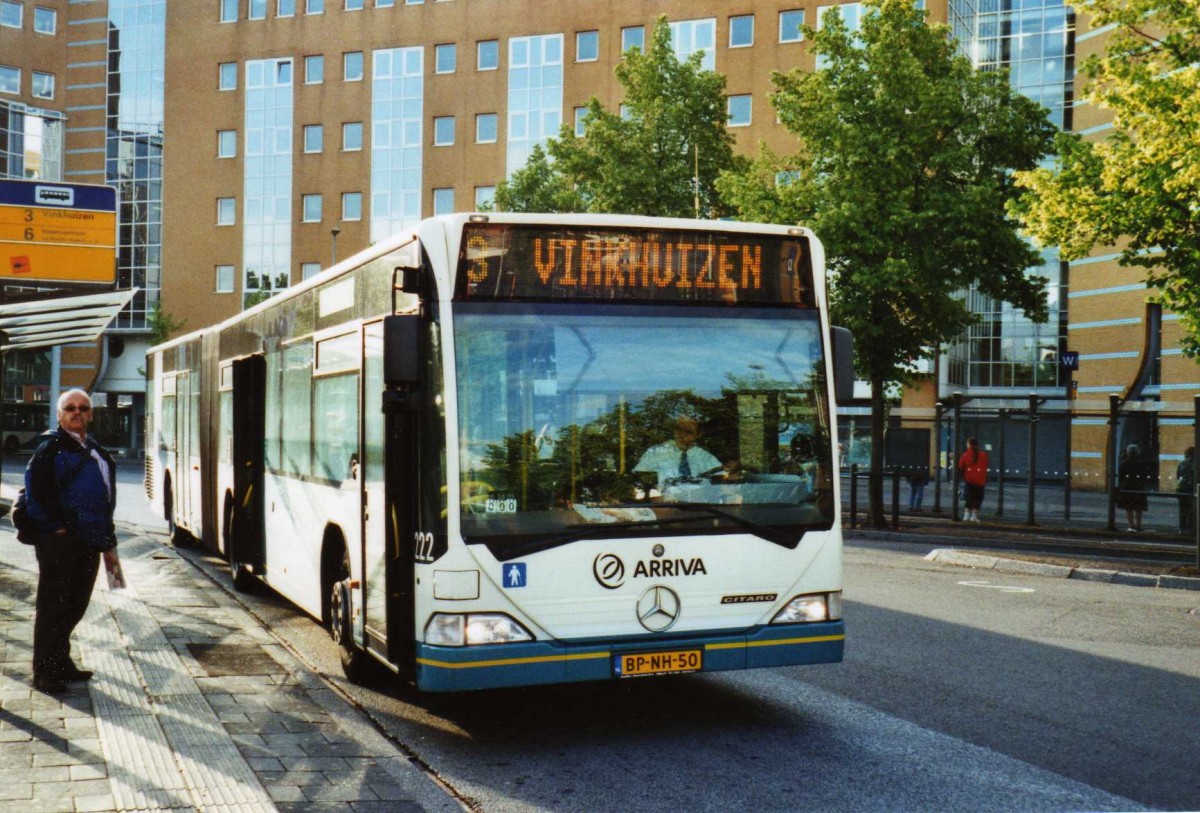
column 448, row 669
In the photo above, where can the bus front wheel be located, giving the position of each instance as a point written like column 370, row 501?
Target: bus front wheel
column 355, row 663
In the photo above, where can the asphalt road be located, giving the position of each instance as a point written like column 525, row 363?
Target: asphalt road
column 960, row 691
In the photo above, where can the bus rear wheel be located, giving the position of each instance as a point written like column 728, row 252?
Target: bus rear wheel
column 356, row 664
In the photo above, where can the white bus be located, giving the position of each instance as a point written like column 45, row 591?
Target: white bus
column 460, row 449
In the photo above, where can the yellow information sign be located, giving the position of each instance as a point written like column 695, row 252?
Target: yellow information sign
column 55, row 234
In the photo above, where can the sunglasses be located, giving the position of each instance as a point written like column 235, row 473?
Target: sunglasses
column 80, row 408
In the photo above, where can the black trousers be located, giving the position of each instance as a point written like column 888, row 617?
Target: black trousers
column 66, row 574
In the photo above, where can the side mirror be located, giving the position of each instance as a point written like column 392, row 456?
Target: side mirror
column 401, row 346
column 843, row 364
column 408, row 280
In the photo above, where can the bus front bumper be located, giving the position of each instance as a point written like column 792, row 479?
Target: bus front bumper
column 450, row 669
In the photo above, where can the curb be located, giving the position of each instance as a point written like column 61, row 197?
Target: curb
column 951, row 556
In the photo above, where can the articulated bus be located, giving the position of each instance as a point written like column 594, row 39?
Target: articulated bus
column 466, row 449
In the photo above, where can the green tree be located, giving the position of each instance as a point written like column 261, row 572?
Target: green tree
column 903, row 171
column 1138, row 187
column 659, row 154
column 162, row 324
column 537, row 187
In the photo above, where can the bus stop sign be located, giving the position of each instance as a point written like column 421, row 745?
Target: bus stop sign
column 57, row 233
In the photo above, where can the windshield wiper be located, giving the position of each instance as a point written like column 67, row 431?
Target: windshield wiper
column 577, row 532
column 767, row 532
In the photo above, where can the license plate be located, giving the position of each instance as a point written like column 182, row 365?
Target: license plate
column 658, row 663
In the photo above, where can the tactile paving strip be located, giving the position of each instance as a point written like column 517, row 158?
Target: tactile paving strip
column 163, row 672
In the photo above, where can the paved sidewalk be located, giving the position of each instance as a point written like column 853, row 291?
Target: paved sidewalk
column 193, row 707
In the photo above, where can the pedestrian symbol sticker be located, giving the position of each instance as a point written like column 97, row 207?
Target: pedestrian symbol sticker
column 514, row 574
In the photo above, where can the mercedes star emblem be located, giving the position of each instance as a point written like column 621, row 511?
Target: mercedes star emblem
column 658, row 608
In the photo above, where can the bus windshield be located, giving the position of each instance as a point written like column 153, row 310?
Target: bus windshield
column 577, row 421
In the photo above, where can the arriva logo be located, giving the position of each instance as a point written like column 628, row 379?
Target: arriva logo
column 609, row 570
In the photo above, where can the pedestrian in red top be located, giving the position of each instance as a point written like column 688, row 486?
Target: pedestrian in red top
column 974, row 467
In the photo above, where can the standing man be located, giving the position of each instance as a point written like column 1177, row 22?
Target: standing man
column 70, row 485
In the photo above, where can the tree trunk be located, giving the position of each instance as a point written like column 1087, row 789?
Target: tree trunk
column 876, row 516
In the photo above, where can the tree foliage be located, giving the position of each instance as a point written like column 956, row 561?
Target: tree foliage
column 645, row 157
column 1139, row 185
column 903, row 171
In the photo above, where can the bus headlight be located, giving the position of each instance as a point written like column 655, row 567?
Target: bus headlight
column 472, row 629
column 810, row 608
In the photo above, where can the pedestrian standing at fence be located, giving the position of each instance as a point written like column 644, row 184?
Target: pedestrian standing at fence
column 70, row 485
column 916, row 485
column 1185, row 487
column 973, row 465
column 1131, row 486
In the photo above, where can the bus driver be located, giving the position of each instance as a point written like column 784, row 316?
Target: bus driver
column 681, row 458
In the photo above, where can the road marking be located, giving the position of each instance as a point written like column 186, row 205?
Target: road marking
column 1004, row 588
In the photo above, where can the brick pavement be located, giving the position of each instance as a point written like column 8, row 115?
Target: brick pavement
column 193, row 707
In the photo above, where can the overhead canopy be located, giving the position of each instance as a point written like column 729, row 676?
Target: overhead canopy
column 59, row 320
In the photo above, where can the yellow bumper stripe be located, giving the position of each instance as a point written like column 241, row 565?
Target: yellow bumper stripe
column 513, row 661
column 597, row 655
column 819, row 639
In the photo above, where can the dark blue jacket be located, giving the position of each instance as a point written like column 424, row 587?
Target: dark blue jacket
column 84, row 507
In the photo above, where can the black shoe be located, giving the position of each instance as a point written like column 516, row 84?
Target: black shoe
column 49, row 685
column 74, row 673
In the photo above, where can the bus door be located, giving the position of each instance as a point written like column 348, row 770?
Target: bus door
column 249, row 432
column 181, row 496
column 387, row 513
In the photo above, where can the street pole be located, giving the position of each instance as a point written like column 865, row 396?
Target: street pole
column 1033, row 422
column 1195, row 495
column 958, row 402
column 1110, row 465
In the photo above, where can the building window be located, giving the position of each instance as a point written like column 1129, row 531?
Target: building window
column 12, row 15
column 413, row 2
column 354, row 5
column 311, row 208
column 257, row 10
column 352, row 206
column 227, row 76
column 445, row 58
column 587, row 46
column 314, row 70
column 633, row 37
column 314, row 7
column 443, row 201
column 10, row 79
column 43, row 85
column 352, row 136
column 741, row 31
column 352, row 66
column 224, row 283
column 535, row 96
column 789, row 25
column 485, row 197
column 399, row 133
column 285, row 8
column 384, row 3
column 487, row 54
column 45, row 20
column 485, row 128
column 581, row 114
column 226, row 143
column 309, row 270
column 226, row 211
column 696, row 36
column 443, row 131
column 314, row 137
column 739, row 110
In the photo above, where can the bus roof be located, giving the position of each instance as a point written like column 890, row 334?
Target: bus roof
column 437, row 227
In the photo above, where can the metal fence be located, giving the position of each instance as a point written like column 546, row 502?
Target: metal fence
column 1052, row 462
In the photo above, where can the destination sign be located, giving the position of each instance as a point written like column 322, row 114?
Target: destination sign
column 529, row 262
column 56, row 233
